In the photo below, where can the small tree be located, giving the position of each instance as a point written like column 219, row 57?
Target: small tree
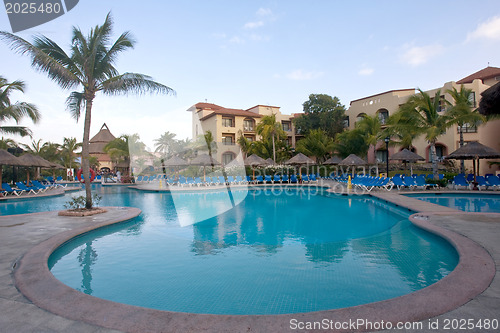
column 316, row 144
column 323, row 112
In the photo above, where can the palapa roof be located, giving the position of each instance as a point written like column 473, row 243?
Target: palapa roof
column 352, row 160
column 175, row 161
column 300, row 159
column 34, row 161
column 255, row 160
column 204, row 160
column 7, row 158
column 473, row 150
column 490, row 101
column 332, row 161
column 406, row 155
column 100, row 140
column 483, row 74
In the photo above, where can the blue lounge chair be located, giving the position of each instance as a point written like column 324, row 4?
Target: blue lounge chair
column 249, row 180
column 304, row 178
column 398, row 182
column 190, row 181
column 293, row 179
column 239, row 180
column 222, row 180
column 230, row 180
column 138, row 179
column 481, row 181
column 9, row 190
column 39, row 185
column 460, row 181
column 409, row 182
column 277, row 179
column 420, row 181
column 28, row 189
column 268, row 179
column 494, row 181
column 285, row 179
column 313, row 178
column 259, row 179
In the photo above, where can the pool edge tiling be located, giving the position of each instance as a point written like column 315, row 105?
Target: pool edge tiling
column 474, row 273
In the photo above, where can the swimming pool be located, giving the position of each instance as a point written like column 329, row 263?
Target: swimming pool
column 276, row 252
column 470, row 202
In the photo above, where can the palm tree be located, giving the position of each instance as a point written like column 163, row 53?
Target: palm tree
column 15, row 111
column 68, row 151
column 165, row 144
column 118, row 149
column 34, row 148
column 370, row 126
column 244, row 143
column 89, row 66
column 269, row 128
column 421, row 114
column 316, row 143
column 6, row 143
column 461, row 113
column 351, row 142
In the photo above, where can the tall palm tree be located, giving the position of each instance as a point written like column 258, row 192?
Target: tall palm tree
column 15, row 111
column 165, row 144
column 68, row 151
column 34, row 148
column 89, row 66
column 370, row 126
column 316, row 143
column 118, row 149
column 461, row 112
column 421, row 113
column 269, row 128
column 244, row 143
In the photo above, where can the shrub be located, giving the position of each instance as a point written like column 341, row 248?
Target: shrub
column 79, row 202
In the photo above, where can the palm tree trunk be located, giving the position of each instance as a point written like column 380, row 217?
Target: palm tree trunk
column 462, row 162
column 434, row 161
column 85, row 154
column 274, row 151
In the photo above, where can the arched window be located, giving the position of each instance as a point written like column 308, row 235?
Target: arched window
column 248, row 124
column 441, row 150
column 360, row 116
column 383, row 115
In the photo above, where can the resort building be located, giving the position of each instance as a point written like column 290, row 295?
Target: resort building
column 97, row 144
column 386, row 103
column 227, row 125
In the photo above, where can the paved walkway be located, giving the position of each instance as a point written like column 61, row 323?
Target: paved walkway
column 20, row 234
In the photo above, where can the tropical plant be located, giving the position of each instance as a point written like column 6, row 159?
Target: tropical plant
column 51, row 151
column 316, row 144
column 245, row 144
column 421, row 114
column 351, row 142
column 89, row 66
column 461, row 112
column 401, row 130
column 118, row 149
column 34, row 148
column 68, row 151
column 15, row 111
column 269, row 129
column 321, row 111
column 6, row 143
column 166, row 144
column 370, row 126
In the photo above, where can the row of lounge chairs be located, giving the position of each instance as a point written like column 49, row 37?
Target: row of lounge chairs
column 35, row 187
column 368, row 183
column 489, row 181
column 221, row 180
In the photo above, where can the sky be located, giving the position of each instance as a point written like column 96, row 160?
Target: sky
column 239, row 54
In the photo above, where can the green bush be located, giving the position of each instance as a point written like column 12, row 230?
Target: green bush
column 79, row 201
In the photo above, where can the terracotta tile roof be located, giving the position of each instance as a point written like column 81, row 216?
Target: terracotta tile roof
column 217, row 109
column 483, row 74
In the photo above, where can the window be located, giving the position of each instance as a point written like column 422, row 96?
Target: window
column 472, row 99
column 248, row 124
column 227, row 122
column 467, row 128
column 287, row 126
column 383, row 114
column 346, row 122
column 227, row 139
column 227, row 158
column 250, row 138
column 440, row 152
column 381, row 156
column 360, row 116
column 442, row 104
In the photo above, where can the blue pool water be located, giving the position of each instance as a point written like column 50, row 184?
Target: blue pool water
column 479, row 203
column 285, row 251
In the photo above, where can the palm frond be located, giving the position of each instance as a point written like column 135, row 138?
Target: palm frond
column 41, row 60
column 74, row 104
column 133, row 83
column 18, row 130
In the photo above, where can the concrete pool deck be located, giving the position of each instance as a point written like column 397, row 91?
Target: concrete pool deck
column 29, row 237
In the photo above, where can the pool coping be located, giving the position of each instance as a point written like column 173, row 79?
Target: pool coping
column 473, row 274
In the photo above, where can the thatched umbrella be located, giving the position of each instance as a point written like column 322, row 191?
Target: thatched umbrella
column 7, row 158
column 473, row 151
column 352, row 161
column 29, row 160
column 300, row 160
column 175, row 161
column 334, row 160
column 490, row 101
column 270, row 161
column 253, row 161
column 204, row 160
column 406, row 155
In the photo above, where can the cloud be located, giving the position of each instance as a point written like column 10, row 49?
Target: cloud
column 264, row 12
column 487, row 30
column 300, row 75
column 418, row 55
column 253, row 25
column 366, row 71
column 237, row 40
